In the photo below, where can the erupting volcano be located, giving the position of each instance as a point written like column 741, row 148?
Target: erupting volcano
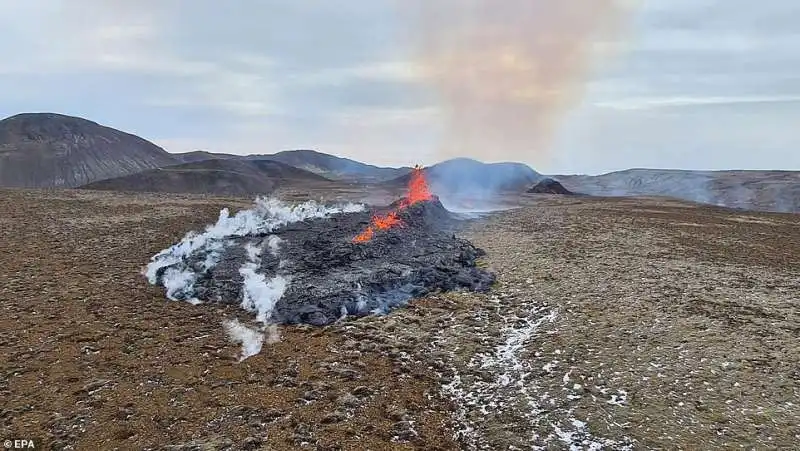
column 301, row 264
column 418, row 191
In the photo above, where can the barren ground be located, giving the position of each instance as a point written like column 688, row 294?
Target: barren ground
column 646, row 323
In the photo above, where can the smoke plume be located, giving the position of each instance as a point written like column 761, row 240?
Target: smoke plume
column 506, row 71
column 172, row 269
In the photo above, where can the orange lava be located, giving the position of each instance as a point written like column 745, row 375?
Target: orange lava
column 418, row 191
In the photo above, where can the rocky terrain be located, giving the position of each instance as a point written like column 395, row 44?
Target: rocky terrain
column 215, row 176
column 43, row 150
column 549, row 186
column 314, row 264
column 616, row 323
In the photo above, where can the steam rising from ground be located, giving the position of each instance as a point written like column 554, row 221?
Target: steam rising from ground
column 171, row 267
column 507, row 70
column 250, row 338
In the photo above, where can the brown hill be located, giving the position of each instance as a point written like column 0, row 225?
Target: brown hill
column 216, row 176
column 43, row 150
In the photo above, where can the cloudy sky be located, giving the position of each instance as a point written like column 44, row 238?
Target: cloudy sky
column 568, row 86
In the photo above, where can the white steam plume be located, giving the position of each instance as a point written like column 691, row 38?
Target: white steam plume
column 172, row 268
column 274, row 242
column 267, row 215
column 250, row 339
column 260, row 295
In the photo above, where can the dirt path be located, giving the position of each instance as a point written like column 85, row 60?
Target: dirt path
column 622, row 323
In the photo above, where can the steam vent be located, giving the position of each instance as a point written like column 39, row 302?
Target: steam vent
column 314, row 264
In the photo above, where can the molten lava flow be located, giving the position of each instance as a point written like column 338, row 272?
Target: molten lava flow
column 385, row 222
column 364, row 236
column 418, row 191
column 378, row 223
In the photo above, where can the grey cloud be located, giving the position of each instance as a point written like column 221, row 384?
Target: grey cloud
column 704, row 83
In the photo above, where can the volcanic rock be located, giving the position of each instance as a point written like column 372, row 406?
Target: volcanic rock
column 549, row 186
column 325, row 275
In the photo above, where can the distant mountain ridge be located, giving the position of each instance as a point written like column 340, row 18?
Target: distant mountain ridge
column 226, row 177
column 333, row 166
column 748, row 189
column 329, row 166
column 48, row 150
column 202, row 155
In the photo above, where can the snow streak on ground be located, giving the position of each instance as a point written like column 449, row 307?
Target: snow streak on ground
column 501, row 390
column 172, row 269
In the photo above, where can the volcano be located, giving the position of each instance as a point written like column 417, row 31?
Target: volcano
column 315, row 264
column 549, row 186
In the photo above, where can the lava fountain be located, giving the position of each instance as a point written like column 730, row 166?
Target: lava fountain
column 418, row 191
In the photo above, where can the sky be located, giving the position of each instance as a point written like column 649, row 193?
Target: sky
column 566, row 86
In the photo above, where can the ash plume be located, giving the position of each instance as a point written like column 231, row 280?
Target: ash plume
column 506, row 71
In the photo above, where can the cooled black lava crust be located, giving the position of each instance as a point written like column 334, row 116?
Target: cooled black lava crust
column 331, row 276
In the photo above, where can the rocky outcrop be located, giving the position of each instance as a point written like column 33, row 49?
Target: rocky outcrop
column 549, row 186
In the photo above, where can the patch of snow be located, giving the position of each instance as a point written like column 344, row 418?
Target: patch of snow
column 579, row 438
column 504, row 381
column 619, row 399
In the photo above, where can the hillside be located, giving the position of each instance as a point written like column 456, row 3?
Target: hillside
column 44, row 150
column 326, row 165
column 468, row 176
column 201, row 155
column 333, row 167
column 216, row 176
column 756, row 190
